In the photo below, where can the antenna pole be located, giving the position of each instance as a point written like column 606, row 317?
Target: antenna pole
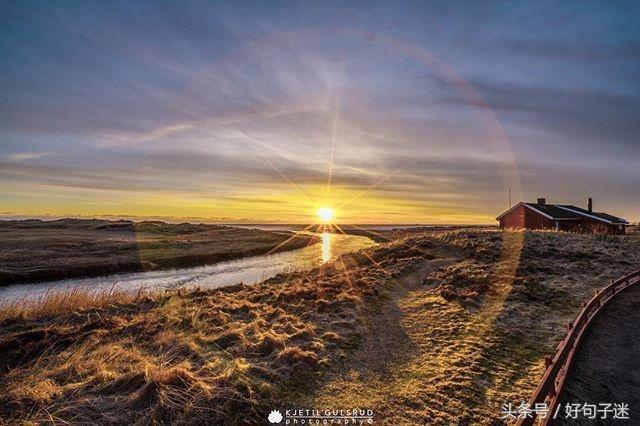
column 509, row 197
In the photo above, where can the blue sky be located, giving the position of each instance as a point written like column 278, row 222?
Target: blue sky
column 234, row 110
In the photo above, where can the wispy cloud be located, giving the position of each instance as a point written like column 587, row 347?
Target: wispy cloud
column 23, row 156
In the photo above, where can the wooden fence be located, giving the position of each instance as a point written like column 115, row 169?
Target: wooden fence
column 552, row 384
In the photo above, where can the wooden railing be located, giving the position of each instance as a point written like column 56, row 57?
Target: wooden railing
column 552, row 384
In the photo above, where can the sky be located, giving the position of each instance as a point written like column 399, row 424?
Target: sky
column 387, row 112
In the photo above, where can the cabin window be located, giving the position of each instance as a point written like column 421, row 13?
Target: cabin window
column 557, row 225
column 619, row 227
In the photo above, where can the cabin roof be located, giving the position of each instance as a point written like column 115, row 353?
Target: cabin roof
column 549, row 211
column 566, row 212
column 604, row 217
column 553, row 211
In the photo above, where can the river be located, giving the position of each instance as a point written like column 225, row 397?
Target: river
column 248, row 270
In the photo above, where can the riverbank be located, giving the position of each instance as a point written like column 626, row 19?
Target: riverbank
column 36, row 250
column 432, row 328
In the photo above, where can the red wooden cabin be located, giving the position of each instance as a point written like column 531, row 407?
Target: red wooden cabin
column 564, row 217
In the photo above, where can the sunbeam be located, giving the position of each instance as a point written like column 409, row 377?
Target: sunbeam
column 334, row 130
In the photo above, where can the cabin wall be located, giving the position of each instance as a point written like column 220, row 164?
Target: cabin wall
column 523, row 217
column 535, row 220
column 515, row 219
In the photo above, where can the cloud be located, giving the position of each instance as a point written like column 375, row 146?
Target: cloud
column 577, row 113
column 23, row 156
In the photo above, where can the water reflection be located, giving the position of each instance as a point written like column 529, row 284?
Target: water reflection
column 326, row 247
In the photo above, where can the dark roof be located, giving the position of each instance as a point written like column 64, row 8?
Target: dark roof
column 548, row 210
column 553, row 211
column 568, row 212
column 602, row 216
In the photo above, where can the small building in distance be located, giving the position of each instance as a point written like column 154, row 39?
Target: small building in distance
column 562, row 217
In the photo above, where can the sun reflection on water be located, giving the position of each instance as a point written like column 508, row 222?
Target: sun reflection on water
column 326, row 247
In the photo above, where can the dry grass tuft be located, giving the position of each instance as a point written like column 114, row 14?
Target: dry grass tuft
column 294, row 355
column 230, row 338
column 55, row 303
column 464, row 280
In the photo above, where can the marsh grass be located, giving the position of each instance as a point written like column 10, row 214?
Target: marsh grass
column 228, row 356
column 68, row 300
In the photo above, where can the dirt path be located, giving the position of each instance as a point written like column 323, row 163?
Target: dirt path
column 607, row 366
column 425, row 359
column 385, row 372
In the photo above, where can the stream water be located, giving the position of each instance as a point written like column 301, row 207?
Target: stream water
column 248, row 270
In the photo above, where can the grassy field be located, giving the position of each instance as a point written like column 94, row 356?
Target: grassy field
column 437, row 328
column 34, row 250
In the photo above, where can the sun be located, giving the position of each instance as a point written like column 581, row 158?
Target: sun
column 325, row 214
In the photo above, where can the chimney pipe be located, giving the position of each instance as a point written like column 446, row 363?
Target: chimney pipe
column 542, row 201
column 590, row 204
